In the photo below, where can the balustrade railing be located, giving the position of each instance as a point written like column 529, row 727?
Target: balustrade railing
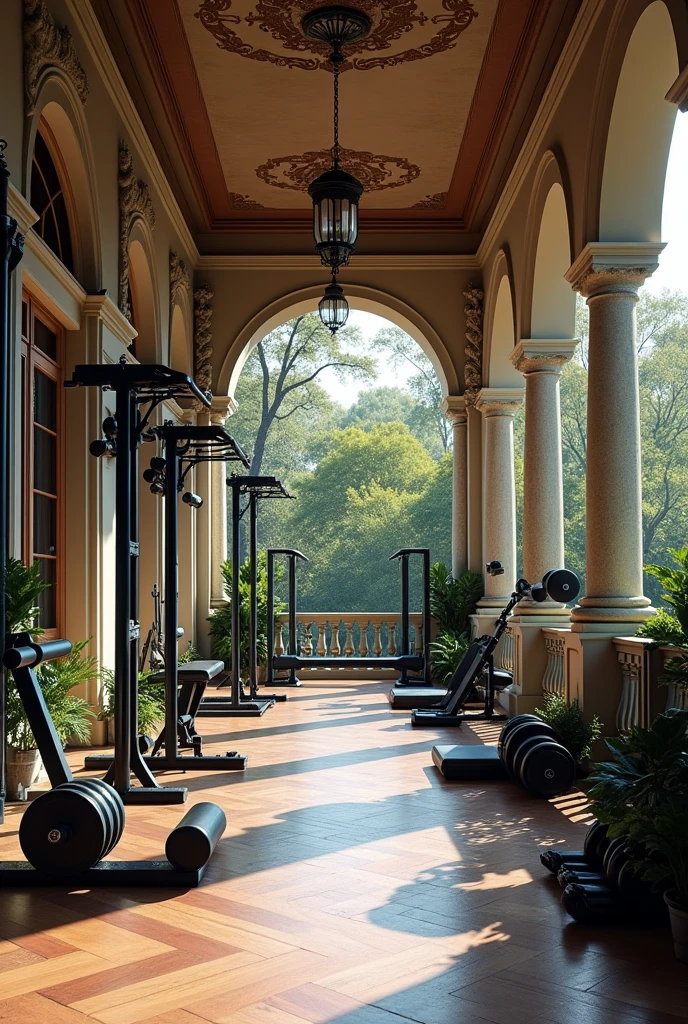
column 505, row 655
column 344, row 635
column 554, row 679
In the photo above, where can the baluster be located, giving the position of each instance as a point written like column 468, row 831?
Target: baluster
column 279, row 639
column 391, row 637
column 363, row 640
column 418, row 636
column 321, row 627
column 377, row 643
column 349, row 649
column 334, row 643
column 307, row 645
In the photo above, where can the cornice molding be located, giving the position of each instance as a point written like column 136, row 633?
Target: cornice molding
column 86, row 23
column 583, row 28
column 35, row 245
column 678, row 93
column 393, row 261
column 21, row 210
column 102, row 307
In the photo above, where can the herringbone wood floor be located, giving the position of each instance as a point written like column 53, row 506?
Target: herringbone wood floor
column 352, row 886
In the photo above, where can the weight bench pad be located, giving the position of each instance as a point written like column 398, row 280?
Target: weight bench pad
column 194, row 672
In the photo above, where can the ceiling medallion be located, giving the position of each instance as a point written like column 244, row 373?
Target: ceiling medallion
column 282, row 21
column 374, row 171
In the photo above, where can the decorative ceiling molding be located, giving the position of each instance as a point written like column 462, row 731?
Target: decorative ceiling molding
column 203, row 337
column 242, row 202
column 47, row 45
column 438, row 201
column 134, row 203
column 375, row 172
column 179, row 278
column 281, row 22
column 91, row 34
column 382, row 262
column 473, row 367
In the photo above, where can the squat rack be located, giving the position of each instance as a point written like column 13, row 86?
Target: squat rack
column 256, row 488
column 135, row 385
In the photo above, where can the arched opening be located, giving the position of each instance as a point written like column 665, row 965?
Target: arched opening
column 500, row 370
column 51, row 198
column 640, row 132
column 143, row 300
column 180, row 354
column 554, row 301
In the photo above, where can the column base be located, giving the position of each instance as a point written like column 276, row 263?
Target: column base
column 606, row 612
column 516, row 703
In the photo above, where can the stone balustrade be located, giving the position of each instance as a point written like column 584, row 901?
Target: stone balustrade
column 349, row 635
column 554, row 679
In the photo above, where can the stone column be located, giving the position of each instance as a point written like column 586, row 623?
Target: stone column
column 609, row 275
column 454, row 408
column 541, row 362
column 498, row 407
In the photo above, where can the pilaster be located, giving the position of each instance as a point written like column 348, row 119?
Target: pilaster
column 454, row 408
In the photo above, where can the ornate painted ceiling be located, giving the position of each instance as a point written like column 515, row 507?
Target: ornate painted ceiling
column 426, row 101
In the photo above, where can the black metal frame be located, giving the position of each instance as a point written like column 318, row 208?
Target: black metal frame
column 405, row 662
column 11, row 250
column 134, row 385
column 238, row 705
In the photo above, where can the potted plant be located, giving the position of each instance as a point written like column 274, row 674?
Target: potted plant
column 575, row 733
column 643, row 794
column 452, row 602
column 221, row 619
column 670, row 628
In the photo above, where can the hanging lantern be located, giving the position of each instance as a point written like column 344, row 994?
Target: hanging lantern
column 333, row 307
column 335, row 193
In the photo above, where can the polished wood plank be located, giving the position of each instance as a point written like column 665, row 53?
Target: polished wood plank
column 353, row 886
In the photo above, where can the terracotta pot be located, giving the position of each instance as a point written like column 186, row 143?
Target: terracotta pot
column 23, row 769
column 678, row 916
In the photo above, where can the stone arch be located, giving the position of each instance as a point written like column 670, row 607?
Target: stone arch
column 144, row 293
column 500, row 333
column 180, row 347
column 549, row 302
column 370, row 300
column 638, row 139
column 60, row 108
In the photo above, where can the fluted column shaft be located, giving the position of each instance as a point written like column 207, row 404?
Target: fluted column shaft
column 454, row 408
column 541, row 362
column 498, row 407
column 609, row 276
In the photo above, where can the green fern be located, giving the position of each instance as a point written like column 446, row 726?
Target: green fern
column 567, row 720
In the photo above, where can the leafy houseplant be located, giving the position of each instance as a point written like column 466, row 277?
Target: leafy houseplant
column 643, row 794
column 576, row 734
column 221, row 619
column 452, row 602
column 670, row 629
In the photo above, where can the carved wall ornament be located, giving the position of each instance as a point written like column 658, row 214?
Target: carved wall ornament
column 375, row 172
column 179, row 277
column 438, row 201
column 473, row 368
column 134, row 202
column 47, row 45
column 242, row 202
column 240, row 27
column 203, row 315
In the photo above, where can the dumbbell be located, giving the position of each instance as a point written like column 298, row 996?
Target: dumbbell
column 589, row 859
column 72, row 827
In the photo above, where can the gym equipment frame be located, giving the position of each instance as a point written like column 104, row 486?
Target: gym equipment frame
column 66, row 832
column 558, row 585
column 135, row 385
column 11, row 251
column 238, row 705
column 293, row 660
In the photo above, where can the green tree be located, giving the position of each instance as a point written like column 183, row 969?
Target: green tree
column 285, row 370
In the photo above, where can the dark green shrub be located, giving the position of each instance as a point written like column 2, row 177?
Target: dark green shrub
column 576, row 734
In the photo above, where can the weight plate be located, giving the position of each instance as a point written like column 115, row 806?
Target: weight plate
column 510, row 726
column 596, row 843
column 524, row 731
column 101, row 793
column 516, row 756
column 616, row 844
column 114, row 801
column 547, row 769
column 64, row 831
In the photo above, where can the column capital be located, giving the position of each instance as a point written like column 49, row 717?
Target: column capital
column 499, row 401
column 537, row 355
column 454, row 408
column 613, row 267
column 222, row 406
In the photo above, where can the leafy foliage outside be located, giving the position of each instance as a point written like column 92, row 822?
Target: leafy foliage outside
column 643, row 794
column 221, row 619
column 567, row 720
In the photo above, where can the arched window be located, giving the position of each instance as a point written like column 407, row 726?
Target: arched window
column 49, row 201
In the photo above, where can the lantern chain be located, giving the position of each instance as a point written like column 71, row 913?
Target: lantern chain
column 336, row 59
